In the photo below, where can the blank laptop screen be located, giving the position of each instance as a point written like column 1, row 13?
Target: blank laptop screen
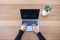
column 29, row 13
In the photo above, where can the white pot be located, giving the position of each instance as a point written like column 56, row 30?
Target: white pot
column 44, row 13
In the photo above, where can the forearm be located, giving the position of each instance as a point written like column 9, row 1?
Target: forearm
column 40, row 36
column 19, row 36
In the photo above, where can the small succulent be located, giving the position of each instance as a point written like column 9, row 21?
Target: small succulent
column 47, row 8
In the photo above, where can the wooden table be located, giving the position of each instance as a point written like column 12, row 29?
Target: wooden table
column 10, row 19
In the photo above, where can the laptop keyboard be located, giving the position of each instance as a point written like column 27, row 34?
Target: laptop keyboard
column 29, row 23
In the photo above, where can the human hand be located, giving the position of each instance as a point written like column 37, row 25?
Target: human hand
column 35, row 28
column 23, row 27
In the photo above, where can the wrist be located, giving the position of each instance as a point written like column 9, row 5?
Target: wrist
column 22, row 30
column 37, row 32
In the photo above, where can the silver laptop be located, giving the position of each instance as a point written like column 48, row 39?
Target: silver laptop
column 30, row 16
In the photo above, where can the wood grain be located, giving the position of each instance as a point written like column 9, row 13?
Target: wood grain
column 29, row 1
column 10, row 20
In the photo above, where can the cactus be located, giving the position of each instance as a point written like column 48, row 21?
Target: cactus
column 47, row 8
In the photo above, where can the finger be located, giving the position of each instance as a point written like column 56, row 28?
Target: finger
column 25, row 24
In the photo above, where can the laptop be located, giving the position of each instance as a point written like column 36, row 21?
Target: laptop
column 30, row 16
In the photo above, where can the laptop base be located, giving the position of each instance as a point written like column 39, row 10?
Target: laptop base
column 29, row 23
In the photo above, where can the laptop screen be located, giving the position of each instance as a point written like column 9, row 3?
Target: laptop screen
column 29, row 13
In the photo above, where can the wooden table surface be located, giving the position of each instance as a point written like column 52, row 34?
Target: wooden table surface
column 10, row 19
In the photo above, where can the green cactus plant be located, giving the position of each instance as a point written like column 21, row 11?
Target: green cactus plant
column 47, row 8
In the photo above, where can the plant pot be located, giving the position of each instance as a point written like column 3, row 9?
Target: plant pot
column 46, row 10
column 44, row 13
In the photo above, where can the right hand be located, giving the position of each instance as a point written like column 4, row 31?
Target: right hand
column 35, row 28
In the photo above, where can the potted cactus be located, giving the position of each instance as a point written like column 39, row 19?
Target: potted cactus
column 46, row 10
